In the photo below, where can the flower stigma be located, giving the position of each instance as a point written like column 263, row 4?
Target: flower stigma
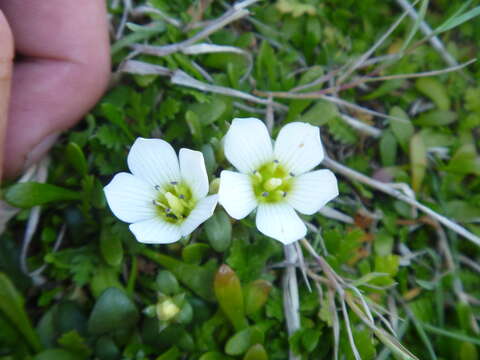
column 174, row 202
column 271, row 182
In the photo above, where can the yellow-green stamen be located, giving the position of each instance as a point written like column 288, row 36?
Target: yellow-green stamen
column 174, row 202
column 271, row 182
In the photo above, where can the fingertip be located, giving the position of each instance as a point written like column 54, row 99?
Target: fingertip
column 6, row 59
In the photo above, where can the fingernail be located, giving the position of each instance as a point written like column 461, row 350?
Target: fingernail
column 40, row 150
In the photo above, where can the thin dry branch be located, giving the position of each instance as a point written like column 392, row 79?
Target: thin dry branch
column 428, row 32
column 388, row 189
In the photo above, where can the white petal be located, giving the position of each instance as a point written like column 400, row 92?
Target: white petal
column 298, row 147
column 155, row 231
column 192, row 168
column 311, row 191
column 281, row 222
column 247, row 144
column 130, row 198
column 154, row 161
column 236, row 194
column 202, row 211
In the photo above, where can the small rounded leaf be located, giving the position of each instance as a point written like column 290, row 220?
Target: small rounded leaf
column 111, row 248
column 167, row 283
column 113, row 310
column 256, row 352
column 219, row 231
column 256, row 295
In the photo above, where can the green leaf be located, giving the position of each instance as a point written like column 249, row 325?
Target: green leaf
column 465, row 161
column 76, row 158
column 210, row 112
column 228, row 292
column 197, row 278
column 194, row 253
column 111, row 248
column 29, row 194
column 57, row 354
column 103, row 278
column 320, row 113
column 106, row 349
column 418, row 161
column 388, row 148
column 434, row 90
column 436, row 118
column 240, row 342
column 256, row 295
column 457, row 20
column 310, row 338
column 113, row 310
column 256, row 352
column 172, row 354
column 73, row 342
column 167, row 283
column 194, row 125
column 12, row 306
column 219, row 231
column 401, row 127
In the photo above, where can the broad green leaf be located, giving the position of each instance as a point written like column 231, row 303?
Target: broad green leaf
column 194, row 125
column 465, row 161
column 436, row 118
column 58, row 354
column 240, row 342
column 106, row 348
column 256, row 352
column 113, row 310
column 418, row 161
column 435, row 90
column 228, row 292
column 111, row 248
column 12, row 307
column 194, row 253
column 219, row 231
column 104, row 277
column 172, row 354
column 167, row 283
column 256, row 295
column 320, row 113
column 77, row 158
column 30, row 194
column 402, row 129
column 388, row 148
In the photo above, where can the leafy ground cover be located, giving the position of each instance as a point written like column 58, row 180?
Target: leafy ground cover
column 389, row 270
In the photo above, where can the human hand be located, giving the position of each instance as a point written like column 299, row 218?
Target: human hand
column 62, row 67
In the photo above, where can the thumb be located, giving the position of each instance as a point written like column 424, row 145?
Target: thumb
column 6, row 61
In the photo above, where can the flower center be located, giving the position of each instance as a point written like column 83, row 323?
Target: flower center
column 174, row 202
column 271, row 182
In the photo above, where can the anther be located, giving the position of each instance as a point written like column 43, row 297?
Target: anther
column 174, row 182
column 284, row 194
column 168, row 210
column 291, row 174
column 181, row 196
column 157, row 187
column 276, row 161
column 265, row 194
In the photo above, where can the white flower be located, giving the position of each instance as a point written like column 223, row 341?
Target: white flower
column 163, row 198
column 275, row 179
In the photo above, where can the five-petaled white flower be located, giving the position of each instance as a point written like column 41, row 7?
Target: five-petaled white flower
column 164, row 197
column 275, row 179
